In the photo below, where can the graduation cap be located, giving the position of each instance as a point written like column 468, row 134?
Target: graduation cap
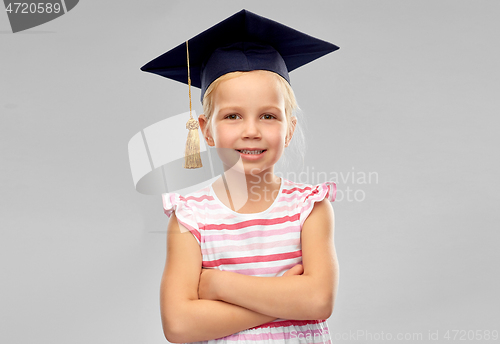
column 243, row 42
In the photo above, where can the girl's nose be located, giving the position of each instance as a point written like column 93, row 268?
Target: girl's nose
column 251, row 129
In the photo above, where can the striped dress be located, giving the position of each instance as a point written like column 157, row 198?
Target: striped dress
column 258, row 244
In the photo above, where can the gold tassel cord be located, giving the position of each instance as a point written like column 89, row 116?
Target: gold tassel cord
column 192, row 158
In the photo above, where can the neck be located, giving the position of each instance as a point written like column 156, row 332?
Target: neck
column 244, row 188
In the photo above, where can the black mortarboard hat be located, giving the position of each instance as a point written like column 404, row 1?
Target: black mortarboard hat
column 243, row 42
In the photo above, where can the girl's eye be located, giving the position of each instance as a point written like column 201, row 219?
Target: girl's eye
column 268, row 116
column 236, row 116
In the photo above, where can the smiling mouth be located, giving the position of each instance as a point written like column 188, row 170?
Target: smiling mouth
column 256, row 152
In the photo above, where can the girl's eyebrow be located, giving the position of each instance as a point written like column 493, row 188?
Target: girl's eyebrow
column 238, row 108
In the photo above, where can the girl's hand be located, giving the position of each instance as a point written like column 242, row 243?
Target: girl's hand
column 206, row 287
column 294, row 270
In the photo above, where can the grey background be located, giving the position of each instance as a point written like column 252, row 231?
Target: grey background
column 411, row 95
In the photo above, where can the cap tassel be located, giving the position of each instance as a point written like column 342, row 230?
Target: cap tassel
column 192, row 158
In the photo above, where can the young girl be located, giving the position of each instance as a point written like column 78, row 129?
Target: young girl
column 266, row 271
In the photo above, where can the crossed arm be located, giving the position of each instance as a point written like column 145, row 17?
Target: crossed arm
column 201, row 304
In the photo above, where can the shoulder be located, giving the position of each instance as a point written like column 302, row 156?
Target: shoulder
column 171, row 201
column 308, row 192
column 321, row 213
column 308, row 195
column 187, row 210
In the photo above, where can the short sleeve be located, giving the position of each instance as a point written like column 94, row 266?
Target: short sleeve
column 173, row 202
column 316, row 194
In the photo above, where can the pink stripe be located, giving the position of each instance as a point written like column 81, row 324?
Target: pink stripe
column 288, row 323
column 256, row 233
column 204, row 206
column 253, row 259
column 250, row 247
column 305, row 210
column 197, row 198
column 291, row 198
column 300, row 190
column 256, row 222
column 287, row 207
column 311, row 195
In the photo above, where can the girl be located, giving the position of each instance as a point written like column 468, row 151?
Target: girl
column 266, row 271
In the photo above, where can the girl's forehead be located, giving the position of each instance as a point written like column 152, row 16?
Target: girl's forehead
column 252, row 87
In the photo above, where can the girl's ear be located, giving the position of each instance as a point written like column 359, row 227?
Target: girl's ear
column 293, row 124
column 203, row 121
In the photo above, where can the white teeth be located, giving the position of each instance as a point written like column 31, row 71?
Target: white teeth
column 251, row 152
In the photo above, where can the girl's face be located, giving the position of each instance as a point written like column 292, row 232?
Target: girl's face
column 249, row 114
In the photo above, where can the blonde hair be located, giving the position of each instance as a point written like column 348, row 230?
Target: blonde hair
column 291, row 109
